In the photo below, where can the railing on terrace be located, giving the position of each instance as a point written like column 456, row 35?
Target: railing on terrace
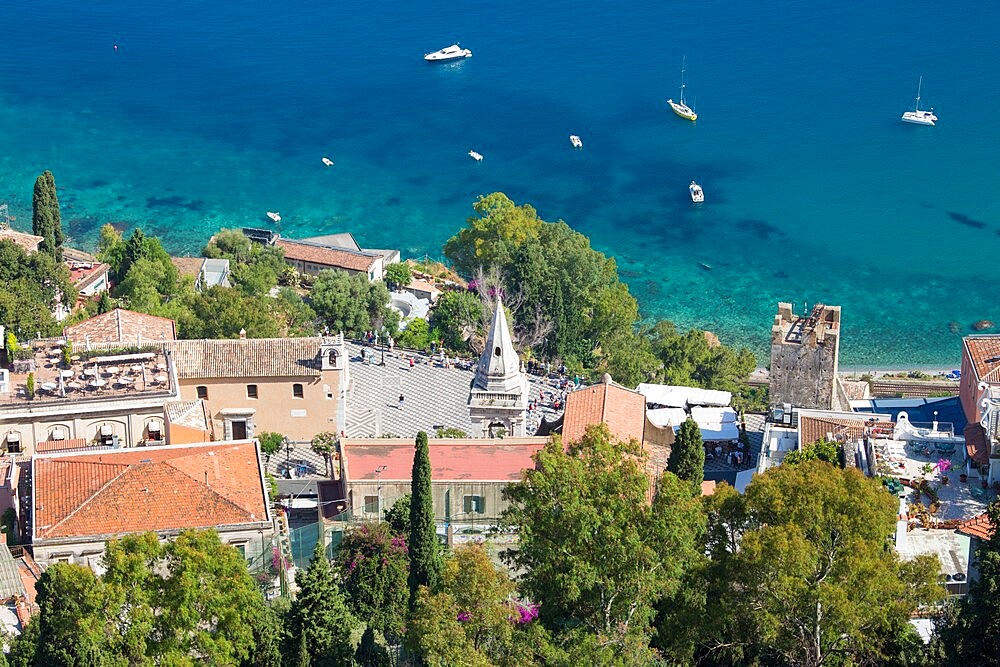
column 934, row 430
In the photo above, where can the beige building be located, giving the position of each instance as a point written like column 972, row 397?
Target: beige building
column 83, row 499
column 468, row 475
column 101, row 398
column 293, row 386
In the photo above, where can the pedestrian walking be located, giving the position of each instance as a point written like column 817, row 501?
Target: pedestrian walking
column 411, row 362
column 400, row 401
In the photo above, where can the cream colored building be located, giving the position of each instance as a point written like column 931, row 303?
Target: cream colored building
column 102, row 398
column 293, row 386
column 83, row 499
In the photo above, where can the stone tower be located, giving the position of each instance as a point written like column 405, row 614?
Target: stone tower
column 498, row 399
column 804, row 357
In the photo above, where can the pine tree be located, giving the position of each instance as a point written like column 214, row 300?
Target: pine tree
column 319, row 616
column 46, row 220
column 687, row 455
column 425, row 557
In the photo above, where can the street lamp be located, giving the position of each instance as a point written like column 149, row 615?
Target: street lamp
column 378, row 478
column 288, row 453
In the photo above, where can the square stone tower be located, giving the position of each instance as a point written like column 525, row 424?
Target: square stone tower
column 804, row 355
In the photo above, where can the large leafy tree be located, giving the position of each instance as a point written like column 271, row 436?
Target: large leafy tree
column 351, row 303
column 692, row 360
column 457, row 317
column 424, row 550
column 319, row 616
column 372, row 565
column 46, row 219
column 74, row 627
column 596, row 554
column 970, row 632
column 33, row 286
column 687, row 454
column 803, row 571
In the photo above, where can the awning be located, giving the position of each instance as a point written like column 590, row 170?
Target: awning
column 58, row 434
column 13, row 436
column 106, row 430
column 155, row 425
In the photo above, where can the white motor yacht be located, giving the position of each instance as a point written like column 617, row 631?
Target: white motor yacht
column 328, row 162
column 697, row 194
column 478, row 157
column 274, row 216
column 917, row 116
column 453, row 52
column 576, row 141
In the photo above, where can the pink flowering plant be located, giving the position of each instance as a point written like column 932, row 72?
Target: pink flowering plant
column 372, row 565
column 943, row 465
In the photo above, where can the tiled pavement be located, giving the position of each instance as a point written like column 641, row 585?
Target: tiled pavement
column 433, row 396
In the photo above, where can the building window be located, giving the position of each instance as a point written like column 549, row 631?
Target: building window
column 251, row 391
column 154, row 431
column 242, row 548
column 474, row 505
column 297, row 390
column 371, row 504
column 203, row 393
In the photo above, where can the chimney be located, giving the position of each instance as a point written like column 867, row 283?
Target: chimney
column 243, row 334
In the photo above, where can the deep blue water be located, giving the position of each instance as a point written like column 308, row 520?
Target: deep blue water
column 210, row 114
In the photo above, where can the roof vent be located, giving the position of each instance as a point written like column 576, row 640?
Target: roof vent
column 146, row 461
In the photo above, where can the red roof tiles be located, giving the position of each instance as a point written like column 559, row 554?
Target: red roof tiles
column 157, row 489
column 977, row 445
column 326, row 256
column 451, row 459
column 984, row 352
column 623, row 410
column 122, row 326
column 978, row 526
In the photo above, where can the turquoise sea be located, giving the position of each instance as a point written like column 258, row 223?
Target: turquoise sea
column 209, row 114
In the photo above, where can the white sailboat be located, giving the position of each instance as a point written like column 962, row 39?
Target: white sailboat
column 681, row 108
column 917, row 116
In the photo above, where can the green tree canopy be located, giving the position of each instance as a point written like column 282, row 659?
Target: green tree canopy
column 33, row 286
column 398, row 274
column 457, row 317
column 595, row 553
column 803, row 571
column 398, row 516
column 351, row 304
column 319, row 616
column 823, row 450
column 46, row 219
column 424, row 550
column 372, row 566
column 687, row 454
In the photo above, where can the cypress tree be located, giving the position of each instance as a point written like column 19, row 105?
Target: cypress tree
column 687, row 455
column 425, row 558
column 46, row 220
column 319, row 616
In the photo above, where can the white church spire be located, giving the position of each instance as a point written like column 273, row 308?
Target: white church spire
column 498, row 398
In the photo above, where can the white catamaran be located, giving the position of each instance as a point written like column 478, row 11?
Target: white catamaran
column 917, row 116
column 681, row 108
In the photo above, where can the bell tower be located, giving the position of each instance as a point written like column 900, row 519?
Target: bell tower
column 498, row 399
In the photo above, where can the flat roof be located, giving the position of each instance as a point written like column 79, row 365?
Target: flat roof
column 452, row 459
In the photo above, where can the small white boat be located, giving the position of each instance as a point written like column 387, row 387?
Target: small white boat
column 576, row 141
column 478, row 157
column 697, row 194
column 917, row 116
column 453, row 52
column 681, row 108
column 274, row 216
column 328, row 162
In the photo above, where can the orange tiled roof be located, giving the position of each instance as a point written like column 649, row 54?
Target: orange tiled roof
column 138, row 490
column 623, row 410
column 327, row 256
column 122, row 326
column 708, row 488
column 984, row 352
column 245, row 357
column 28, row 242
column 815, row 428
column 85, row 274
column 977, row 526
column 977, row 445
column 60, row 445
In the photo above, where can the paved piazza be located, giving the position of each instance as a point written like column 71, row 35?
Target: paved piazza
column 433, row 395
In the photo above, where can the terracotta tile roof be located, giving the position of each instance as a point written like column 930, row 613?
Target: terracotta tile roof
column 188, row 266
column 623, row 410
column 122, row 326
column 452, row 459
column 246, row 357
column 156, row 488
column 316, row 253
column 60, row 445
column 187, row 413
column 977, row 526
column 85, row 274
column 27, row 242
column 977, row 444
column 814, row 428
column 984, row 352
column 708, row 488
